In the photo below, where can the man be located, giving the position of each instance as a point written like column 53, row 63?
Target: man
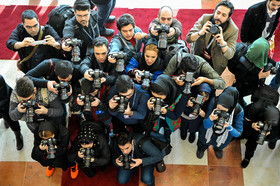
column 127, row 144
column 135, row 106
column 165, row 16
column 260, row 20
column 129, row 39
column 46, row 107
column 82, row 26
column 99, row 60
column 219, row 46
column 23, row 37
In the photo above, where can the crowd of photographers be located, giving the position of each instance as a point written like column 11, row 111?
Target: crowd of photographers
column 122, row 96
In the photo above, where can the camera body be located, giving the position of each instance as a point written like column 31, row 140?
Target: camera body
column 63, row 87
column 270, row 67
column 120, row 57
column 51, row 142
column 146, row 78
column 75, row 43
column 158, row 103
column 97, row 74
column 264, row 128
column 88, row 153
column 223, row 116
column 214, row 29
column 188, row 78
column 163, row 30
column 198, row 101
column 126, row 159
column 30, row 106
column 87, row 99
column 123, row 102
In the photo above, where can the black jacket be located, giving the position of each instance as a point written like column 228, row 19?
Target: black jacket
column 5, row 92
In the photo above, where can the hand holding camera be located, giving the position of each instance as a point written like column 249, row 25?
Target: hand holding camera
column 21, row 108
column 41, row 110
column 119, row 57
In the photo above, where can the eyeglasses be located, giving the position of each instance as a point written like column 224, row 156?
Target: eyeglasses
column 30, row 27
column 166, row 18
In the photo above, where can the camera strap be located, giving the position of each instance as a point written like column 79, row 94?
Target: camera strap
column 123, row 42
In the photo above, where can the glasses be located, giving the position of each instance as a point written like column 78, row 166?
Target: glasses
column 30, row 27
column 166, row 18
column 81, row 16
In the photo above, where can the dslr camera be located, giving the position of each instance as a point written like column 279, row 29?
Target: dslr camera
column 30, row 106
column 214, row 29
column 87, row 99
column 63, row 87
column 126, row 159
column 146, row 78
column 223, row 116
column 88, row 153
column 158, row 103
column 198, row 101
column 163, row 30
column 75, row 43
column 123, row 102
column 270, row 67
column 120, row 57
column 51, row 142
column 264, row 128
column 188, row 78
column 97, row 74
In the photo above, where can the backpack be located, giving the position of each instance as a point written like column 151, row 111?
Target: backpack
column 58, row 16
column 176, row 49
column 267, row 94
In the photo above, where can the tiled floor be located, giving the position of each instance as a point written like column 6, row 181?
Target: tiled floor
column 183, row 168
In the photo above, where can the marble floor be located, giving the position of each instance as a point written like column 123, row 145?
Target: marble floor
column 183, row 168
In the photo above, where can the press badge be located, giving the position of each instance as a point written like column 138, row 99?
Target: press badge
column 99, row 112
column 126, row 116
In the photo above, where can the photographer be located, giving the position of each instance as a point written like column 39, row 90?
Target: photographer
column 89, row 150
column 214, row 36
column 26, row 33
column 165, row 16
column 126, row 146
column 149, row 60
column 134, row 108
column 223, row 124
column 99, row 60
column 50, row 144
column 82, row 26
column 165, row 88
column 129, row 39
column 46, row 104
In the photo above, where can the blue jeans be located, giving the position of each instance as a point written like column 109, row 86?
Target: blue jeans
column 275, row 82
column 104, row 11
column 147, row 174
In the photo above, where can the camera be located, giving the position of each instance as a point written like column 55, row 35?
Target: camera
column 87, row 99
column 197, row 104
column 163, row 30
column 158, row 102
column 119, row 56
column 214, row 29
column 265, row 128
column 88, row 153
column 270, row 67
column 188, row 78
column 126, row 159
column 63, row 87
column 123, row 102
column 223, row 116
column 51, row 142
column 75, row 43
column 30, row 106
column 146, row 78
column 97, row 74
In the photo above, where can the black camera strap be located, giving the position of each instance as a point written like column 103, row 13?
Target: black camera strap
column 124, row 43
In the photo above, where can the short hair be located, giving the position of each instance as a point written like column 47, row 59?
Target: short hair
column 124, row 138
column 24, row 87
column 124, row 83
column 125, row 20
column 28, row 14
column 227, row 4
column 100, row 41
column 189, row 63
column 152, row 47
column 86, row 86
column 63, row 68
column 81, row 5
column 163, row 7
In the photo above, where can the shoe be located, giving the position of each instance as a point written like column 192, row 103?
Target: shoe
column 183, row 136
column 219, row 154
column 191, row 137
column 245, row 163
column 111, row 19
column 19, row 139
column 199, row 154
column 74, row 171
column 160, row 166
column 107, row 32
column 271, row 144
column 6, row 124
column 49, row 171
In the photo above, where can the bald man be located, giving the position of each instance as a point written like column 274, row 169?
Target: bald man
column 165, row 16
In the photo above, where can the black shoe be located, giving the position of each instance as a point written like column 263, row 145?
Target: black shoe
column 271, row 144
column 111, row 19
column 199, row 154
column 160, row 166
column 219, row 154
column 107, row 32
column 191, row 137
column 19, row 140
column 245, row 163
column 6, row 124
column 183, row 136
